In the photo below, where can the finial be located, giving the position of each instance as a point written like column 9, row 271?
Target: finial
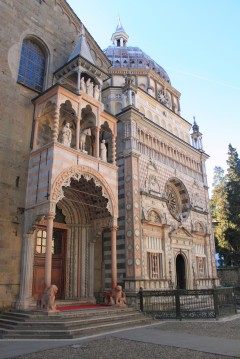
column 194, row 119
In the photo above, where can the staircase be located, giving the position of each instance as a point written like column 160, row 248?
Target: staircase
column 18, row 324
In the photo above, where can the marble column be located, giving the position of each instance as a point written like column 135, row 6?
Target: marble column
column 129, row 97
column 25, row 296
column 84, row 233
column 91, row 270
column 96, row 144
column 78, row 127
column 78, row 80
column 114, row 256
column 48, row 257
column 123, row 100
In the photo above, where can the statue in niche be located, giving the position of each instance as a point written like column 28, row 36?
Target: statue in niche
column 83, row 85
column 103, row 151
column 196, row 200
column 89, row 86
column 153, row 185
column 96, row 92
column 154, row 217
column 83, row 136
column 163, row 97
column 66, row 134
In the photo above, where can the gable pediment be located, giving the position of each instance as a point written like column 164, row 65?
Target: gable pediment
column 181, row 232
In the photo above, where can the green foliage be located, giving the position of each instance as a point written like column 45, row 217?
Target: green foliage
column 225, row 206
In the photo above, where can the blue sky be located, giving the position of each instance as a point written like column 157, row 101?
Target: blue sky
column 197, row 43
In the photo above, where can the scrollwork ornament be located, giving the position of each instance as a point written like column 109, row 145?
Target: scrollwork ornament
column 75, row 172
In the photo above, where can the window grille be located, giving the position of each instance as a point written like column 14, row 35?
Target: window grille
column 155, row 265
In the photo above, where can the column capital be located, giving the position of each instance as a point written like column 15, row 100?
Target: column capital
column 50, row 215
column 113, row 228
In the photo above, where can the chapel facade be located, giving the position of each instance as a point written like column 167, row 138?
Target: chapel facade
column 103, row 182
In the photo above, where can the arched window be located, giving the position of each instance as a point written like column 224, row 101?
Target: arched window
column 32, row 65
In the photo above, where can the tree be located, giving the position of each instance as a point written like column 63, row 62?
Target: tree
column 219, row 205
column 232, row 232
column 225, row 206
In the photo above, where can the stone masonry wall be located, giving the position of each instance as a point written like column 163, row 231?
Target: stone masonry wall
column 19, row 19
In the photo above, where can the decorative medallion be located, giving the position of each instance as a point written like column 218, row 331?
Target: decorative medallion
column 163, row 97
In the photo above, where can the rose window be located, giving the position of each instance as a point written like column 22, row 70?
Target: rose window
column 177, row 199
column 172, row 203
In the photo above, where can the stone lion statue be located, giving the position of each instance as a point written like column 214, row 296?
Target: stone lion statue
column 120, row 296
column 46, row 300
column 116, row 297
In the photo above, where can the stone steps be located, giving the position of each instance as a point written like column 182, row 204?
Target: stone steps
column 67, row 324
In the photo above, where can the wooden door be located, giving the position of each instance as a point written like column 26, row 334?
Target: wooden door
column 58, row 261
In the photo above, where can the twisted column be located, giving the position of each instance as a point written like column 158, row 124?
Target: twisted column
column 55, row 123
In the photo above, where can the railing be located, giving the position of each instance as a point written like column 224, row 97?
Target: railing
column 180, row 304
column 237, row 296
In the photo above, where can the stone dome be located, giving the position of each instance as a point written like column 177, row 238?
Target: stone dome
column 122, row 56
column 133, row 57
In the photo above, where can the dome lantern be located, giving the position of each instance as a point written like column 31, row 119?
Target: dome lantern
column 119, row 37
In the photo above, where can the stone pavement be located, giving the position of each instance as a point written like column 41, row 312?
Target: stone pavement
column 207, row 339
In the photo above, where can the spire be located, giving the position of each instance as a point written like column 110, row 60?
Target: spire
column 195, row 127
column 196, row 136
column 119, row 25
column 119, row 37
column 81, row 48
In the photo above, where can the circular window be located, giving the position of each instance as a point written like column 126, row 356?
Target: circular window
column 177, row 199
column 172, row 202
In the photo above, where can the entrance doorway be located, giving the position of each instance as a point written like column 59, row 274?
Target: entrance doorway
column 58, row 261
column 180, row 272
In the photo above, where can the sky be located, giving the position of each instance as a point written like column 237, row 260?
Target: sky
column 197, row 43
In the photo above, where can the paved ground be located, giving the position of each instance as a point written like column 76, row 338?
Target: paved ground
column 164, row 339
